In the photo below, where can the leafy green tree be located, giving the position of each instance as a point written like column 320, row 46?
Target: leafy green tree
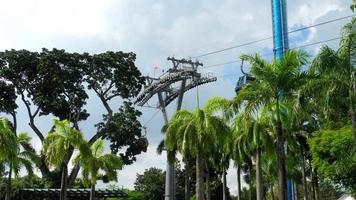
column 151, row 184
column 235, row 145
column 270, row 172
column 336, row 80
column 334, row 156
column 188, row 160
column 93, row 160
column 200, row 131
column 134, row 195
column 216, row 184
column 20, row 69
column 18, row 183
column 57, row 148
column 353, row 5
column 57, row 83
column 8, row 101
column 253, row 138
column 12, row 154
column 123, row 129
column 223, row 151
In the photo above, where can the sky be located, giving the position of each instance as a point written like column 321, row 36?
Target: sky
column 154, row 30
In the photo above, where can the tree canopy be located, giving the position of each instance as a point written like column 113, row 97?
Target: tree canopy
column 334, row 156
column 58, row 83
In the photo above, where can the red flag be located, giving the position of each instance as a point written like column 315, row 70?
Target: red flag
column 156, row 68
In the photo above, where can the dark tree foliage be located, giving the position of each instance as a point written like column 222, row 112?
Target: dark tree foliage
column 151, row 184
column 59, row 88
column 353, row 5
column 217, row 189
column 124, row 130
column 7, row 98
column 56, row 83
column 334, row 156
column 22, row 182
column 21, row 69
column 113, row 74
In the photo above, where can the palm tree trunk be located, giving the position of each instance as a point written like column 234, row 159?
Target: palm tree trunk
column 200, row 175
column 353, row 121
column 317, row 193
column 224, row 182
column 296, row 194
column 272, row 192
column 187, row 183
column 238, row 182
column 258, row 175
column 63, row 193
column 92, row 192
column 8, row 185
column 312, row 183
column 250, row 182
column 352, row 91
column 280, row 156
column 208, row 195
column 305, row 192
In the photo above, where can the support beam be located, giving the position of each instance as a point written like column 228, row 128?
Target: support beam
column 180, row 95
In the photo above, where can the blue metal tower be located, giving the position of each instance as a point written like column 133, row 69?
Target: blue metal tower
column 281, row 45
column 280, row 29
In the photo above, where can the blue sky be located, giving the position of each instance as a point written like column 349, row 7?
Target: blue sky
column 154, row 30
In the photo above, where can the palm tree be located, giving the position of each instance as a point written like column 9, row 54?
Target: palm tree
column 223, row 151
column 270, row 172
column 253, row 138
column 274, row 82
column 92, row 160
column 238, row 160
column 12, row 154
column 195, row 133
column 218, row 160
column 57, row 147
column 188, row 160
column 336, row 76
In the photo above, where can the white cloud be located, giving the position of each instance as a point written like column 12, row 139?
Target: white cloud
column 78, row 18
column 127, row 176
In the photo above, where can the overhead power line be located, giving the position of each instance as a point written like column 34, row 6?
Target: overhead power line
column 271, row 37
column 151, row 118
column 269, row 54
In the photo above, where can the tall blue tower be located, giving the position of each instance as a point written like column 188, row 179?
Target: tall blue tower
column 281, row 45
column 280, row 28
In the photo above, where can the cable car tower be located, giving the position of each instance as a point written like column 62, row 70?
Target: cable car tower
column 172, row 85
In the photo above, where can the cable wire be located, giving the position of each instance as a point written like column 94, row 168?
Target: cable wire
column 153, row 116
column 271, row 37
column 268, row 54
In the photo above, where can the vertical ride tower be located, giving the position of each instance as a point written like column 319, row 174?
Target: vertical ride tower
column 280, row 28
column 281, row 45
